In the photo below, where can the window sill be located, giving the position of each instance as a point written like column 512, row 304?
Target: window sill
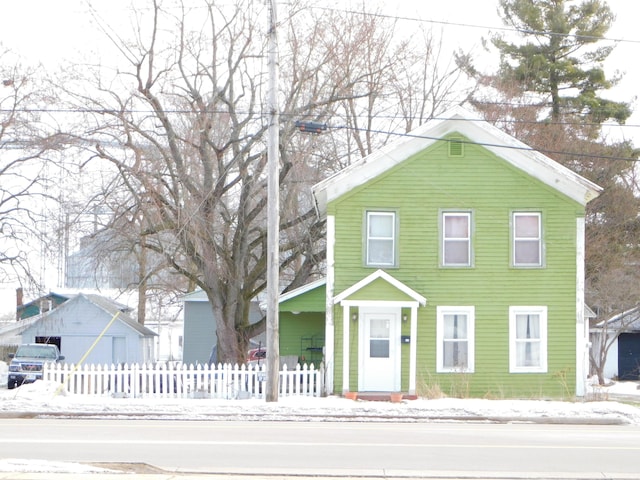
column 528, row 370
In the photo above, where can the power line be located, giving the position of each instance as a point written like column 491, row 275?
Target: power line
column 108, row 111
column 483, row 27
column 482, row 144
column 426, row 137
column 436, row 22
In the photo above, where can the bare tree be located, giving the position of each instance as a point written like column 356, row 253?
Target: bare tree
column 28, row 144
column 427, row 80
column 391, row 81
column 618, row 314
column 184, row 125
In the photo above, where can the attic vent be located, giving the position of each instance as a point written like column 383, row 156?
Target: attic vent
column 456, row 147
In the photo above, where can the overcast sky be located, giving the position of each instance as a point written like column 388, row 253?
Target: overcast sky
column 48, row 32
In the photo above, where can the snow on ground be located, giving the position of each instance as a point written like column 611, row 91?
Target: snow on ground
column 617, row 403
column 41, row 466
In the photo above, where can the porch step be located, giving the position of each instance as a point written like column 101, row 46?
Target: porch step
column 382, row 396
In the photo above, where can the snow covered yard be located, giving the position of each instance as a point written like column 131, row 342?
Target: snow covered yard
column 43, row 399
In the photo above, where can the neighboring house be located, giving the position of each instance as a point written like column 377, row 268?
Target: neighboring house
column 38, row 306
column 169, row 340
column 93, row 329
column 623, row 356
column 455, row 261
column 104, row 264
column 26, row 314
column 302, row 335
column 199, row 337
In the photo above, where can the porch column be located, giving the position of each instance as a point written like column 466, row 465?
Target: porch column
column 413, row 350
column 329, row 330
column 345, row 348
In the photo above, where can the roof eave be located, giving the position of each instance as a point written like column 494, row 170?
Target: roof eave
column 481, row 132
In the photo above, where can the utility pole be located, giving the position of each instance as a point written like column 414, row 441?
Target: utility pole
column 273, row 217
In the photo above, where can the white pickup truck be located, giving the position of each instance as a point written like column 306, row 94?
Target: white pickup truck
column 27, row 363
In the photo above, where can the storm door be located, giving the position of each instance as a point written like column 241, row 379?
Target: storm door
column 379, row 358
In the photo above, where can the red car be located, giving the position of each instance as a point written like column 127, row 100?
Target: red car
column 256, row 356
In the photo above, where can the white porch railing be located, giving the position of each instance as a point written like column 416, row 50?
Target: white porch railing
column 181, row 381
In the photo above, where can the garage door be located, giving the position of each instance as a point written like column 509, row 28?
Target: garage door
column 629, row 356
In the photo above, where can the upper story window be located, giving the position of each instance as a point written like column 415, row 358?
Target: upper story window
column 381, row 239
column 527, row 339
column 456, row 239
column 455, row 337
column 527, row 239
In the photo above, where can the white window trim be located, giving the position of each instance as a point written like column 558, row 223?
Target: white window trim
column 455, row 213
column 469, row 311
column 514, row 239
column 536, row 310
column 394, row 238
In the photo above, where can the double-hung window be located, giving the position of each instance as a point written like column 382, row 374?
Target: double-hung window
column 456, row 239
column 527, row 239
column 527, row 339
column 381, row 239
column 455, row 339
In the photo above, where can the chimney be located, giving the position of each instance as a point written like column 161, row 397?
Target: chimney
column 19, row 301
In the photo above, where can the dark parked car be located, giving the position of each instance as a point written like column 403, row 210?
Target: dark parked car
column 27, row 363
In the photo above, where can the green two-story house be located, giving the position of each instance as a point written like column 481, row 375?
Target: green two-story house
column 455, row 262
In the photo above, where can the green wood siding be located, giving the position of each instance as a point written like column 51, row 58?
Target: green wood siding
column 302, row 335
column 378, row 289
column 314, row 300
column 418, row 190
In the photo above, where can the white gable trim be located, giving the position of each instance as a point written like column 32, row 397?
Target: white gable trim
column 478, row 131
column 386, row 277
column 582, row 323
column 528, row 160
column 303, row 289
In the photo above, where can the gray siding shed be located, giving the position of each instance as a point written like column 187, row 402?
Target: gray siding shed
column 78, row 323
column 199, row 336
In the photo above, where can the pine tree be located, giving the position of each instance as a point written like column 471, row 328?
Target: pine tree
column 547, row 93
column 560, row 60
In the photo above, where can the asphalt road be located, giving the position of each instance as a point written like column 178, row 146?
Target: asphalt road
column 344, row 449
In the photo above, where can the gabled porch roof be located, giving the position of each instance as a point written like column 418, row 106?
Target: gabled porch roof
column 382, row 275
column 302, row 290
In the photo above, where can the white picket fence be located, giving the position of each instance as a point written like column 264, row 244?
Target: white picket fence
column 166, row 380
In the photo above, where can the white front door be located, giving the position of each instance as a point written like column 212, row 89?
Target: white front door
column 379, row 358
